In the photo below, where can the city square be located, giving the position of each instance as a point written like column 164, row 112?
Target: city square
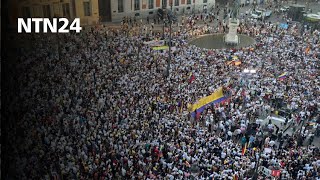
column 166, row 96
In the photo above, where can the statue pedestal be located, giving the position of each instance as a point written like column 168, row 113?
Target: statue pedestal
column 232, row 37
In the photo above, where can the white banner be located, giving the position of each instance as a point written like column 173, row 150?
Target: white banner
column 265, row 171
column 154, row 43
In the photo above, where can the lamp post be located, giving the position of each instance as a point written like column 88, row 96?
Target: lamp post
column 164, row 15
column 254, row 4
column 58, row 43
column 86, row 38
column 170, row 26
column 255, row 175
column 163, row 29
column 138, row 55
column 302, row 124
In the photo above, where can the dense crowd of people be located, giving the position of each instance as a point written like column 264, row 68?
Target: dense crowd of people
column 100, row 106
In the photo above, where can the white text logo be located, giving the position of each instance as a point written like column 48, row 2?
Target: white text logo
column 53, row 25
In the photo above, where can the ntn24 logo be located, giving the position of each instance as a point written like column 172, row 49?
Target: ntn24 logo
column 45, row 25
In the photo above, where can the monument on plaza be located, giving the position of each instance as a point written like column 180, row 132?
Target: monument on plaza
column 225, row 41
column 232, row 37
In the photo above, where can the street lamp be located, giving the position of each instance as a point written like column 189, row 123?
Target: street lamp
column 254, row 4
column 255, row 175
column 164, row 15
column 170, row 26
column 58, row 43
column 163, row 30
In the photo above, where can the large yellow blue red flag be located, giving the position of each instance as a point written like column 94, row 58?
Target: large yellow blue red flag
column 282, row 76
column 244, row 149
column 214, row 98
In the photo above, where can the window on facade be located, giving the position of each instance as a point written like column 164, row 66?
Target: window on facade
column 188, row 1
column 35, row 11
column 46, row 11
column 205, row 1
column 73, row 7
column 120, row 6
column 164, row 4
column 87, row 8
column 136, row 5
column 176, row 2
column 66, row 10
column 150, row 4
column 26, row 12
column 205, row 8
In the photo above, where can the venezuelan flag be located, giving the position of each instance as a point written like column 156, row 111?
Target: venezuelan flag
column 237, row 63
column 234, row 62
column 282, row 76
column 235, row 177
column 122, row 61
column 244, row 149
column 191, row 77
column 226, row 161
column 214, row 98
column 229, row 62
column 311, row 123
column 181, row 106
column 307, row 50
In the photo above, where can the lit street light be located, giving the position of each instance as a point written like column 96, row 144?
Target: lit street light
column 247, row 73
column 250, row 71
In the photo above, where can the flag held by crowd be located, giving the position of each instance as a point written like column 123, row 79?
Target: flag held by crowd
column 234, row 62
column 282, row 76
column 235, row 177
column 191, row 78
column 307, row 50
column 244, row 149
column 214, row 98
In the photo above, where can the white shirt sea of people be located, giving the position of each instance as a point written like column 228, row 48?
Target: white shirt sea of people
column 104, row 112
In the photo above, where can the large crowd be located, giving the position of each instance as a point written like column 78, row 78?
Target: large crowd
column 100, row 106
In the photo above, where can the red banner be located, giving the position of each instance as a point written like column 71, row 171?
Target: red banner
column 275, row 173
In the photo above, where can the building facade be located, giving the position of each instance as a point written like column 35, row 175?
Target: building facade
column 145, row 8
column 92, row 12
column 86, row 10
column 223, row 3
